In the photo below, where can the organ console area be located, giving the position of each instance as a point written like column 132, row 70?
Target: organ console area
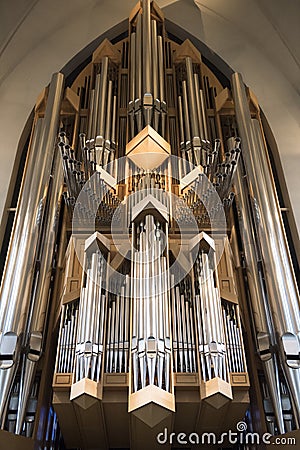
column 148, row 282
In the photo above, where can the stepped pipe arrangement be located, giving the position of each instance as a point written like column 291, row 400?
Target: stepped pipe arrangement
column 149, row 251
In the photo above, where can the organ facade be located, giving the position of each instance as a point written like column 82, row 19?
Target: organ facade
column 148, row 283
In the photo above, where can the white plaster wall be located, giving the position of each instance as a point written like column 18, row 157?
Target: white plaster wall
column 259, row 38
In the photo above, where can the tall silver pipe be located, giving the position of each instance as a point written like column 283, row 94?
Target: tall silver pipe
column 121, row 328
column 126, row 322
column 108, row 340
column 162, row 95
column 155, row 60
column 138, row 59
column 202, row 102
column 108, row 121
column 181, row 123
column 114, row 120
column 91, row 114
column 147, row 56
column 102, row 100
column 133, row 67
column 27, row 233
column 191, row 97
column 109, row 113
column 95, row 110
column 138, row 75
column 280, row 278
column 161, row 69
column 117, row 335
column 40, row 301
column 198, row 107
column 275, row 254
column 186, row 114
column 132, row 82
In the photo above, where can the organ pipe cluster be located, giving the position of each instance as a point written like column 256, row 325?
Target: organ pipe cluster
column 119, row 309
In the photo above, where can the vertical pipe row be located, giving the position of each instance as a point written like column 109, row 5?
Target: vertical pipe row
column 151, row 333
column 90, row 334
column 26, row 240
column 210, row 322
column 183, row 337
column 117, row 334
column 262, row 235
column 65, row 357
column 234, row 340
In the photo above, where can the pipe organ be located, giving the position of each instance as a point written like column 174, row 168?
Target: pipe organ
column 148, row 273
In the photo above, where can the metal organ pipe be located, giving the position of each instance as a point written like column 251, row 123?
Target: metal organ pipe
column 21, row 264
column 192, row 100
column 199, row 108
column 282, row 288
column 102, row 102
column 95, row 108
column 154, row 59
column 202, row 102
column 211, row 336
column 92, row 307
column 147, row 60
column 150, row 348
column 161, row 70
column 34, row 336
column 133, row 67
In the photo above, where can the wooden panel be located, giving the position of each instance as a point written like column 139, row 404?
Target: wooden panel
column 9, row 441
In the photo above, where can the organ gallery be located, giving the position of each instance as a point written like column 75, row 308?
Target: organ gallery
column 148, row 283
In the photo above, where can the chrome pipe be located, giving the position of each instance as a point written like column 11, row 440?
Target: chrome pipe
column 126, row 324
column 280, row 279
column 186, row 115
column 134, row 343
column 147, row 57
column 167, row 330
column 132, row 83
column 121, row 328
column 107, row 135
column 117, row 336
column 102, row 100
column 114, row 122
column 133, row 68
column 26, row 237
column 192, row 99
column 202, row 102
column 155, row 76
column 174, row 325
column 155, row 67
column 60, row 337
column 108, row 340
column 188, row 333
column 199, row 109
column 108, row 119
column 39, row 302
column 184, row 331
column 112, row 336
column 265, row 338
column 162, row 95
column 95, row 109
column 91, row 114
column 138, row 60
column 138, row 77
column 179, row 324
